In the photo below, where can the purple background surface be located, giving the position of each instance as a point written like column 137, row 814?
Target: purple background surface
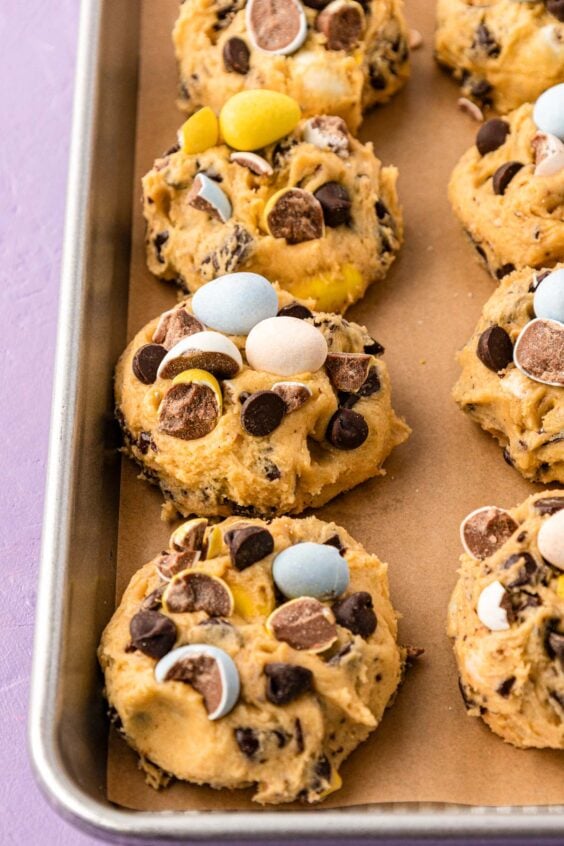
column 38, row 40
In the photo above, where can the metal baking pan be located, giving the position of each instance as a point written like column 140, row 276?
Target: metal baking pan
column 68, row 726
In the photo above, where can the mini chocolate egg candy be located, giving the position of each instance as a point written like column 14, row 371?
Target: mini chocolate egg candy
column 490, row 609
column 550, row 540
column 485, row 530
column 253, row 162
column 209, row 670
column 204, row 351
column 548, row 112
column 206, row 195
column 549, row 297
column 199, row 132
column 193, row 590
column 539, row 351
column 549, row 154
column 189, row 535
column 304, row 624
column 311, row 569
column 254, row 118
column 276, row 28
column 286, row 346
column 236, row 302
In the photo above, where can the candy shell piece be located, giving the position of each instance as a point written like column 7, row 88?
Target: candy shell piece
column 489, row 609
column 549, row 154
column 199, row 132
column 206, row 195
column 286, row 346
column 550, row 540
column 548, row 112
column 539, row 352
column 209, row 670
column 253, row 119
column 485, row 530
column 194, row 590
column 200, row 377
column 304, row 624
column 204, row 350
column 278, row 29
column 549, row 297
column 236, row 302
column 311, row 569
column 253, row 162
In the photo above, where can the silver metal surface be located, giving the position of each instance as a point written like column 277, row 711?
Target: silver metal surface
column 68, row 728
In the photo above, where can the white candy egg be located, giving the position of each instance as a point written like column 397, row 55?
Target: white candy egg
column 236, row 302
column 548, row 112
column 489, row 609
column 550, row 540
column 228, row 675
column 549, row 297
column 286, row 346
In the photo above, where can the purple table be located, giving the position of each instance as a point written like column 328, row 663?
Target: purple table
column 38, row 40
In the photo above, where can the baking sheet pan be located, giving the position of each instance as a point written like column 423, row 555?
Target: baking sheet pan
column 427, row 750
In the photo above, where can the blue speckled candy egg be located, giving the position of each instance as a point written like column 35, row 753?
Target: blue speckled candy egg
column 548, row 112
column 549, row 297
column 235, row 303
column 311, row 569
column 220, row 702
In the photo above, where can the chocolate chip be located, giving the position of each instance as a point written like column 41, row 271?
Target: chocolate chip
column 341, row 22
column 152, row 633
column 193, row 591
column 554, row 640
column 371, row 384
column 296, row 216
column 540, row 351
column 300, row 745
column 285, row 682
column 236, row 56
column 481, row 90
column 188, row 411
column 506, row 686
column 316, row 4
column 248, row 742
column 347, row 429
column 356, row 613
column 381, row 210
column 262, row 413
column 549, row 504
column 175, row 325
column 526, row 573
column 556, row 8
column 504, row 270
column 491, row 135
column 347, row 371
column 495, row 349
column 485, row 40
column 146, row 362
column 503, row 176
column 248, row 545
column 271, row 470
column 295, row 310
column 335, row 541
column 374, row 348
column 171, row 563
column 305, row 624
column 159, row 241
column 335, row 202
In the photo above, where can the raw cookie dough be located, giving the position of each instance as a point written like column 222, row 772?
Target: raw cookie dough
column 524, row 225
column 217, row 58
column 525, row 416
column 190, row 246
column 513, row 676
column 503, row 52
column 299, row 714
column 230, row 471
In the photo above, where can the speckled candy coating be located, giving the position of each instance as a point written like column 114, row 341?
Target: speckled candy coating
column 235, row 303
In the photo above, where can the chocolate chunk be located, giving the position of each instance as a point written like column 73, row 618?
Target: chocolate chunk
column 549, row 504
column 335, row 202
column 262, row 413
column 295, row 310
column 342, row 23
column 285, row 682
column 486, row 42
column 335, row 541
column 506, row 686
column 202, row 673
column 504, row 270
column 236, row 246
column 539, row 351
column 486, row 530
column 171, row 563
column 248, row 544
column 296, row 216
column 503, row 176
column 193, row 591
column 175, row 325
column 328, row 132
column 152, row 633
column 374, row 348
column 276, row 26
column 305, row 624
column 300, row 745
column 347, row 371
column 153, row 600
column 556, row 8
column 527, row 573
column 248, row 742
column 271, row 470
column 356, row 613
column 371, row 384
column 146, row 362
column 381, row 213
column 481, row 90
column 188, row 411
column 159, row 241
column 220, row 364
column 495, row 349
column 554, row 640
column 236, row 56
column 347, row 429
column 316, row 4
column 294, row 394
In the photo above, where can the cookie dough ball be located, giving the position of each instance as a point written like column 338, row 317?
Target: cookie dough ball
column 506, row 618
column 338, row 57
column 503, row 52
column 512, row 380
column 215, row 675
column 315, row 209
column 508, row 192
column 273, row 422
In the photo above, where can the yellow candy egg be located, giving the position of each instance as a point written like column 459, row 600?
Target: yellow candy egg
column 199, row 132
column 251, row 606
column 201, row 377
column 214, row 542
column 252, row 119
column 335, row 784
column 331, row 291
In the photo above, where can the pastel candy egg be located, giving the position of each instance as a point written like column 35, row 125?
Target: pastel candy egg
column 286, row 346
column 311, row 569
column 548, row 112
column 490, row 610
column 236, row 302
column 549, row 297
column 253, row 119
column 202, row 351
column 199, row 132
column 209, row 670
column 550, row 540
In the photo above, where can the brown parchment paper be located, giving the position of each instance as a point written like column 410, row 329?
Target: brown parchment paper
column 426, row 749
